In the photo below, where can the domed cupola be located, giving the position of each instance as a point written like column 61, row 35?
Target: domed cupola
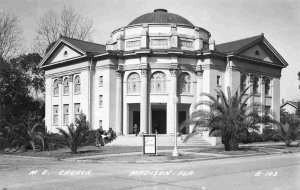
column 159, row 30
column 161, row 16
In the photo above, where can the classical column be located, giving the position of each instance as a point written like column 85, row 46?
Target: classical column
column 119, row 129
column 60, row 105
column 71, row 103
column 251, row 99
column 263, row 99
column 199, row 84
column 144, row 102
column 174, row 101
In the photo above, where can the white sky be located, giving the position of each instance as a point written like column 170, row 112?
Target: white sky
column 226, row 20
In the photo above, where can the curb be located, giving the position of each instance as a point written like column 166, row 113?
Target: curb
column 169, row 161
column 31, row 157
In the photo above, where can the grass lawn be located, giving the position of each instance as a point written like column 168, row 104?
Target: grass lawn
column 244, row 150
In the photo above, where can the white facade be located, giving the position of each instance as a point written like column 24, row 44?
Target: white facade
column 152, row 75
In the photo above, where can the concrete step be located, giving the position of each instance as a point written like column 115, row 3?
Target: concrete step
column 162, row 140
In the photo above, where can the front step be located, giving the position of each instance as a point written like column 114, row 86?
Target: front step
column 162, row 140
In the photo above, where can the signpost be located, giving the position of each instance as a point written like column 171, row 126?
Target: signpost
column 149, row 144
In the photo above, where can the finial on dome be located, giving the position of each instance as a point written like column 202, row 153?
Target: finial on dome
column 161, row 10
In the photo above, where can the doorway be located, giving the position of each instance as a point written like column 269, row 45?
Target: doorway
column 181, row 119
column 159, row 118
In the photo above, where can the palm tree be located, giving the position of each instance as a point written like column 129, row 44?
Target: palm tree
column 289, row 128
column 230, row 116
column 76, row 135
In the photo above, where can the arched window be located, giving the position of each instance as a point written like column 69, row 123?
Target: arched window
column 77, row 84
column 66, row 86
column 243, row 82
column 133, row 83
column 184, row 83
column 158, row 82
column 267, row 87
column 255, row 85
column 55, row 87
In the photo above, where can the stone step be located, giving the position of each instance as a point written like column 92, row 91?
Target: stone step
column 162, row 140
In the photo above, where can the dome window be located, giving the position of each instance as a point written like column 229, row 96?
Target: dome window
column 257, row 53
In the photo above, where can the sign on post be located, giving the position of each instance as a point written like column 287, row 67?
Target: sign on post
column 149, row 144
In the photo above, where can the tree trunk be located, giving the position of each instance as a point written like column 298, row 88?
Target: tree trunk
column 233, row 143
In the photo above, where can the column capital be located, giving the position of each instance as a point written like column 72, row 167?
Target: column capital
column 263, row 79
column 144, row 72
column 119, row 74
column 173, row 72
column 60, row 79
column 199, row 74
column 71, row 78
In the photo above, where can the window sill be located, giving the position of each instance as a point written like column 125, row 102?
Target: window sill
column 257, row 95
column 268, row 96
column 133, row 94
column 186, row 95
column 55, row 95
column 100, row 106
column 77, row 93
column 153, row 93
column 66, row 94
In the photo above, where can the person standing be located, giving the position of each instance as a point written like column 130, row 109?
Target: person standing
column 135, row 128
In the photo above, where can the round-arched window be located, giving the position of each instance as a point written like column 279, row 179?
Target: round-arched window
column 77, row 84
column 243, row 83
column 255, row 85
column 267, row 87
column 55, row 87
column 133, row 83
column 158, row 82
column 66, row 86
column 184, row 83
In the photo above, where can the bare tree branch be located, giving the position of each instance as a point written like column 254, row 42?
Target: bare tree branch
column 10, row 36
column 67, row 22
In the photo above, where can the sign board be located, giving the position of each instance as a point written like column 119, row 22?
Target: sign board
column 149, row 144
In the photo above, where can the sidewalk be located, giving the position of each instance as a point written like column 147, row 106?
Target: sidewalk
column 186, row 154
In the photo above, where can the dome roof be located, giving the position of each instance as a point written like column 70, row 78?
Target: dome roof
column 161, row 16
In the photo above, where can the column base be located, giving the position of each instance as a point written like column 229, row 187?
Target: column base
column 119, row 133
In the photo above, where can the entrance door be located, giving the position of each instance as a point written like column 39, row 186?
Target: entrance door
column 159, row 121
column 181, row 119
column 136, row 120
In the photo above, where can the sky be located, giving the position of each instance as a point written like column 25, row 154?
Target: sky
column 226, row 20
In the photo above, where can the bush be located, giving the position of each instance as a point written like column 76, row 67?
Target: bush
column 268, row 134
column 244, row 138
column 77, row 134
column 255, row 137
column 103, row 137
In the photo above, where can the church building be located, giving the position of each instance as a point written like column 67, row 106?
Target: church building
column 151, row 73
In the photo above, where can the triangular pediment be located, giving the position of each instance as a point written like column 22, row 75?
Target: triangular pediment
column 64, row 52
column 259, row 51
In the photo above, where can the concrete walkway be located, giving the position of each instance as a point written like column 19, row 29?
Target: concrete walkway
column 205, row 154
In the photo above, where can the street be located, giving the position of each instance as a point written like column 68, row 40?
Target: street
column 258, row 172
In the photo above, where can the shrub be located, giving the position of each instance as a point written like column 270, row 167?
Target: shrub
column 103, row 137
column 268, row 134
column 244, row 137
column 77, row 134
column 255, row 137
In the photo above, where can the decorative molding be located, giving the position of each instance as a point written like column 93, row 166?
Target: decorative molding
column 199, row 74
column 144, row 72
column 71, row 78
column 173, row 72
column 263, row 79
column 119, row 74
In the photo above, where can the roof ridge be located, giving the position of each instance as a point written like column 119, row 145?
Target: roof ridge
column 81, row 40
column 262, row 34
